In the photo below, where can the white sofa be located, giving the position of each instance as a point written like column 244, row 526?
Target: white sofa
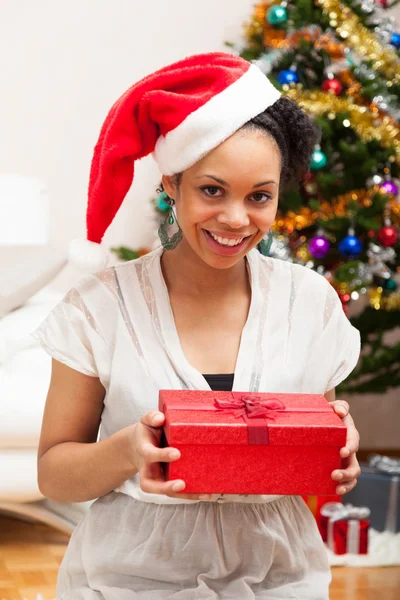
column 24, row 378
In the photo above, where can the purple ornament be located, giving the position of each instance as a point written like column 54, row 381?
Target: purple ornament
column 319, row 246
column 388, row 187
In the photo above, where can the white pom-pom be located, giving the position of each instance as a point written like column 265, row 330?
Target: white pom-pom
column 86, row 256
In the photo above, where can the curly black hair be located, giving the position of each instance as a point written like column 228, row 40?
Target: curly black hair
column 295, row 134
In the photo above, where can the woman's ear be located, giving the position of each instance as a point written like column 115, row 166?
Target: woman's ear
column 169, row 185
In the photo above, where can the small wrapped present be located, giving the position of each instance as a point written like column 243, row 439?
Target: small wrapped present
column 247, row 443
column 347, row 529
column 378, row 488
column 315, row 503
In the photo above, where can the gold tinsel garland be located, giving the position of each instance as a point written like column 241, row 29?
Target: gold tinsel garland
column 348, row 27
column 361, row 40
column 366, row 121
column 258, row 27
column 336, row 207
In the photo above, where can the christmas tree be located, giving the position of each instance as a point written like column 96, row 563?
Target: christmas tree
column 341, row 62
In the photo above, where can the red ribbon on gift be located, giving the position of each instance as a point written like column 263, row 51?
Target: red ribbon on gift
column 254, row 410
column 252, row 407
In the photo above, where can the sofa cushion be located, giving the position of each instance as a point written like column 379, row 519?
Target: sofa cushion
column 24, row 271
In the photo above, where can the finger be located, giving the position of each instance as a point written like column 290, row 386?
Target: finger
column 153, row 418
column 341, row 407
column 152, row 454
column 344, row 475
column 157, row 485
column 353, row 438
column 343, row 489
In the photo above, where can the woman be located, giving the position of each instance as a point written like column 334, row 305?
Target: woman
column 204, row 311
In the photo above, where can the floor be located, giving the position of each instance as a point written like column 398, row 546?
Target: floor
column 30, row 555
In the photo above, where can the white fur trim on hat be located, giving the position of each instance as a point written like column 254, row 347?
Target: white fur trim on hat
column 86, row 256
column 211, row 124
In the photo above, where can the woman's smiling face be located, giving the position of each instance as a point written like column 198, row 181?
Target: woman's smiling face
column 227, row 201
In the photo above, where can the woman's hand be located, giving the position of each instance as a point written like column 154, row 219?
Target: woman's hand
column 146, row 455
column 347, row 475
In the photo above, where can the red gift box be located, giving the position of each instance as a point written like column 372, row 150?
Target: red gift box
column 315, row 504
column 348, row 527
column 252, row 443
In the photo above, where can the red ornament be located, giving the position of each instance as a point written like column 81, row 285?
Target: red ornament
column 345, row 298
column 332, row 85
column 383, row 3
column 388, row 236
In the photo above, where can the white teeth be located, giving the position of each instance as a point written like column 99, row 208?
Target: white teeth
column 226, row 241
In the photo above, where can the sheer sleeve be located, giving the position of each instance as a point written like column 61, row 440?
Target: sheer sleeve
column 70, row 333
column 340, row 338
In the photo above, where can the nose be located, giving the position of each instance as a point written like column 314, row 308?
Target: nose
column 234, row 215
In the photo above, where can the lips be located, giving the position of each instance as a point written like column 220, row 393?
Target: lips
column 225, row 245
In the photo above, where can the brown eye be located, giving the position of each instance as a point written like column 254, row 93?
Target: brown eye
column 261, row 197
column 211, row 190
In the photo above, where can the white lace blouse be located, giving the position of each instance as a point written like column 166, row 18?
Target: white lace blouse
column 118, row 325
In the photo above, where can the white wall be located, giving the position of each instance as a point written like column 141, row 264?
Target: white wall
column 63, row 64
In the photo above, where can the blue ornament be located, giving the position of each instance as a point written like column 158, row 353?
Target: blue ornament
column 277, row 15
column 318, row 160
column 350, row 245
column 161, row 204
column 287, row 76
column 395, row 40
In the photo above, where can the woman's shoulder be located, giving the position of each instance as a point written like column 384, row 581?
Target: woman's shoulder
column 106, row 283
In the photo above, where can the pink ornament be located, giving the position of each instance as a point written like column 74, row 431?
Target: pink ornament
column 319, row 246
column 388, row 187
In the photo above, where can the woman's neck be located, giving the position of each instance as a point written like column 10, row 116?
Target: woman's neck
column 187, row 274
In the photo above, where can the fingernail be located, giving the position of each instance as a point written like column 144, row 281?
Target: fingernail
column 178, row 486
column 205, row 497
column 174, row 454
column 339, row 476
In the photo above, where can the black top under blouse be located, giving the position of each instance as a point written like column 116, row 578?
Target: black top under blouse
column 220, row 383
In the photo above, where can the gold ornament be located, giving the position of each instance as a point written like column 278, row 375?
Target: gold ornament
column 361, row 40
column 363, row 119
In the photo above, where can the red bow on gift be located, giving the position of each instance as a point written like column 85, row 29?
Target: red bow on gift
column 251, row 406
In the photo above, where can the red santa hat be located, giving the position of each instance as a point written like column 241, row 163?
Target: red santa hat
column 179, row 114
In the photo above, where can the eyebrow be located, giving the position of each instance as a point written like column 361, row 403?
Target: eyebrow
column 222, row 182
